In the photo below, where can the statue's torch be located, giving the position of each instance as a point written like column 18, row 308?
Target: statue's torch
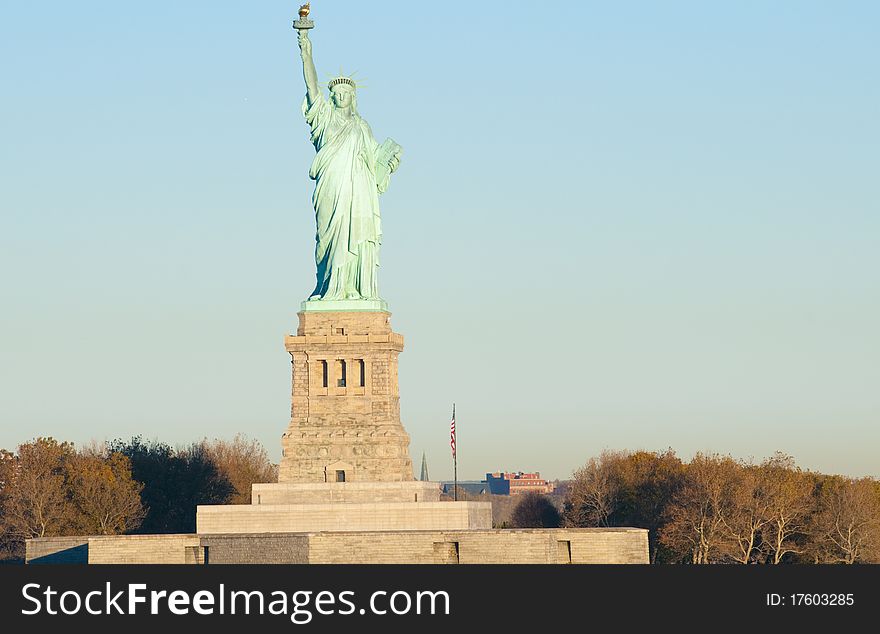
column 304, row 23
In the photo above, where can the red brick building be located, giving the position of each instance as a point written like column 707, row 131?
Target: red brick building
column 510, row 483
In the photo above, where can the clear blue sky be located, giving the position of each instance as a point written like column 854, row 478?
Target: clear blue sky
column 616, row 224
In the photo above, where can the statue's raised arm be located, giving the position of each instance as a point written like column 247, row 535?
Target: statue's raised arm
column 309, row 72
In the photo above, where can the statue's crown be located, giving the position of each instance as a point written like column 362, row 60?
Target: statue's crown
column 341, row 80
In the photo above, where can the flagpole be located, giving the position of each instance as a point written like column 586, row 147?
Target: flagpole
column 454, row 462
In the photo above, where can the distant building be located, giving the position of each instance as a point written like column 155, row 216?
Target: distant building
column 510, row 483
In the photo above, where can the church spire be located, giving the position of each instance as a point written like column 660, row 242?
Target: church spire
column 424, row 476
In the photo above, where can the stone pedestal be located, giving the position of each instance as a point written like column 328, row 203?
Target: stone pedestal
column 345, row 464
column 344, row 492
column 345, row 414
column 342, row 517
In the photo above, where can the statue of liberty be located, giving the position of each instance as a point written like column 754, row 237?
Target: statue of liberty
column 350, row 170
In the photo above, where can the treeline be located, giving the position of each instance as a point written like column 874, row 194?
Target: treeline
column 50, row 488
column 715, row 509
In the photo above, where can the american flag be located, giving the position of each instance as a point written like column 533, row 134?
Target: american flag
column 452, row 432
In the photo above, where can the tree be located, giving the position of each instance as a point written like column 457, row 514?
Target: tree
column 50, row 489
column 788, row 505
column 592, row 495
column 649, row 480
column 627, row 489
column 699, row 507
column 174, row 483
column 846, row 526
column 747, row 516
column 244, row 462
column 8, row 464
column 106, row 498
column 35, row 501
column 535, row 511
column 10, row 547
column 200, row 481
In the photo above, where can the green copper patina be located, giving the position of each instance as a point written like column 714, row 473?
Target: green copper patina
column 350, row 170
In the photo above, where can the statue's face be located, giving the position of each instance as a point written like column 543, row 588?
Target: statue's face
column 341, row 95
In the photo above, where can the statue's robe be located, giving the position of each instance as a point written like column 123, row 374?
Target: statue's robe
column 346, row 202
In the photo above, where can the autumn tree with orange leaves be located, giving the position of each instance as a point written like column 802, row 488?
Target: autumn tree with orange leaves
column 716, row 509
column 48, row 489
